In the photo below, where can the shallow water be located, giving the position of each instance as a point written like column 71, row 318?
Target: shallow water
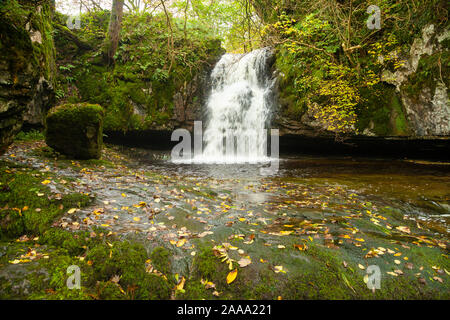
column 418, row 189
column 348, row 204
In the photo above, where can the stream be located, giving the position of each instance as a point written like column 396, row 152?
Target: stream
column 340, row 203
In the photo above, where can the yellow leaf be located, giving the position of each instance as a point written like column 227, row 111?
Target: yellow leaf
column 278, row 269
column 181, row 242
column 124, row 195
column 137, row 219
column 403, row 229
column 361, row 266
column 71, row 210
column 232, row 276
column 46, row 182
column 180, row 285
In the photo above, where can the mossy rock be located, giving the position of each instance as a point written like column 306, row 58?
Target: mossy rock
column 20, row 217
column 76, row 130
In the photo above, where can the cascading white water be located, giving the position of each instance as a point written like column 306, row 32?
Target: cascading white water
column 238, row 110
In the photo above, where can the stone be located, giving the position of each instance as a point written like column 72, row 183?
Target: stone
column 76, row 130
column 427, row 110
column 26, row 69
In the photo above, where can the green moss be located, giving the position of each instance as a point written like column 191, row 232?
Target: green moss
column 430, row 70
column 127, row 261
column 139, row 80
column 207, row 265
column 382, row 112
column 76, row 130
column 110, row 291
column 194, row 290
column 160, row 258
column 45, row 51
column 74, row 243
column 21, row 190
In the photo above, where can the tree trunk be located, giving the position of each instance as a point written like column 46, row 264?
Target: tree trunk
column 112, row 37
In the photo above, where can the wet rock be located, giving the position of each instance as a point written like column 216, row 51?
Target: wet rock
column 76, row 130
column 26, row 68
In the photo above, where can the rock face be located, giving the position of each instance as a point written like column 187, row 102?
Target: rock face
column 26, row 66
column 76, row 130
column 189, row 101
column 423, row 84
column 409, row 101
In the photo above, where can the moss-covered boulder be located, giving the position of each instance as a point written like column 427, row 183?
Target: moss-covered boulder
column 76, row 130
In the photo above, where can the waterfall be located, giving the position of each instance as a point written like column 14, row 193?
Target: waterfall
column 238, row 109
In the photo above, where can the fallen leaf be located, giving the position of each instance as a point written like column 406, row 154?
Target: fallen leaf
column 403, row 229
column 181, row 242
column 279, row 269
column 180, row 285
column 301, row 247
column 244, row 262
column 232, row 276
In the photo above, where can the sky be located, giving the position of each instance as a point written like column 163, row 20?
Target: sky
column 72, row 7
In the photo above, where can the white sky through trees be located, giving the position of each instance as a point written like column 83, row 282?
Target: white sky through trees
column 73, row 7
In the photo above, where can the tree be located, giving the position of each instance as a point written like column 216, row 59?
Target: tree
column 112, row 37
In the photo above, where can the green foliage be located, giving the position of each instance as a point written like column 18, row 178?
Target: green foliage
column 31, row 135
column 331, row 63
column 137, row 91
column 233, row 21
